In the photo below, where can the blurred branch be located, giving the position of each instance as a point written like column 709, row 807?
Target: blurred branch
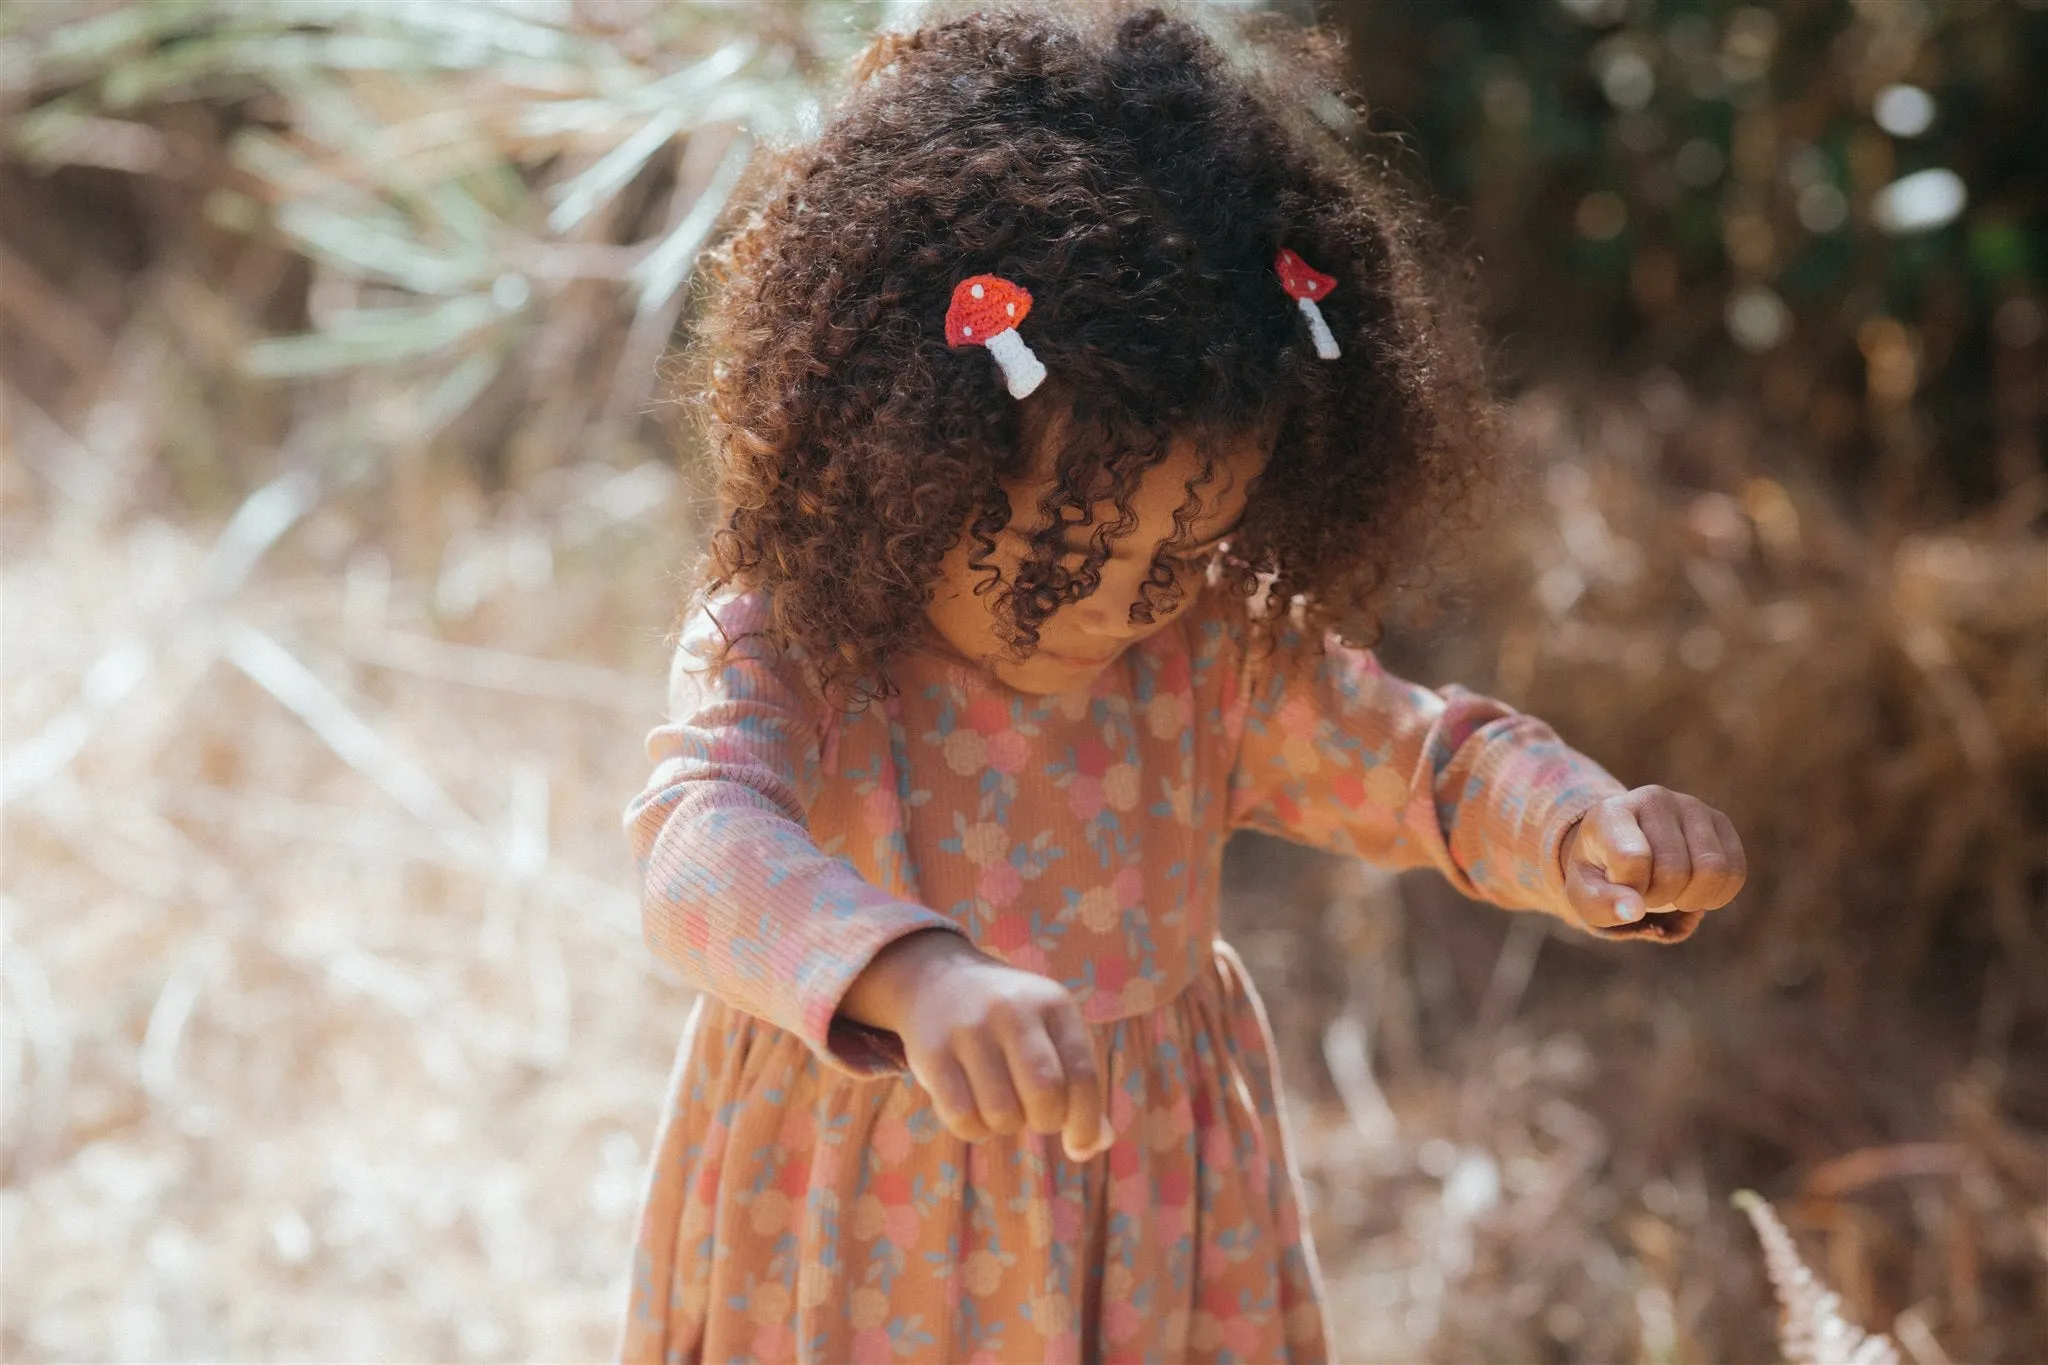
column 448, row 170
column 264, row 516
column 499, row 671
column 30, row 998
column 277, row 671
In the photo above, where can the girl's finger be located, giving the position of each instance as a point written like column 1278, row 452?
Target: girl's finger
column 1038, row 1077
column 952, row 1098
column 1670, row 862
column 1085, row 1133
column 1616, row 845
column 1600, row 903
column 988, row 1072
column 1731, row 844
column 1712, row 885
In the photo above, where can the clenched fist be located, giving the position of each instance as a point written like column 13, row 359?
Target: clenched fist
column 1648, row 851
column 997, row 1048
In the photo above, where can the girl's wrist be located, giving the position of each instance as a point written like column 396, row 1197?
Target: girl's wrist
column 881, row 995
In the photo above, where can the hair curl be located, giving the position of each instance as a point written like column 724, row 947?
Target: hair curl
column 1137, row 180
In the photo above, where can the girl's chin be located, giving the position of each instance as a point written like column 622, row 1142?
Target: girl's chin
column 1047, row 674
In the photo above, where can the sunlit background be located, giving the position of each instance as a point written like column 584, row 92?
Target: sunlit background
column 347, row 508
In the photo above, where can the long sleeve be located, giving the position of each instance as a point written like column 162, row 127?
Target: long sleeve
column 736, row 895
column 1338, row 753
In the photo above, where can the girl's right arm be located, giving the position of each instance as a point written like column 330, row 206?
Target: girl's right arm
column 736, row 896
column 740, row 900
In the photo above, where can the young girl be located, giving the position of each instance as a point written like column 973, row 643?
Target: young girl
column 1071, row 399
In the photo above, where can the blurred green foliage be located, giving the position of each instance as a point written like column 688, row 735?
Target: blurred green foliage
column 465, row 229
column 1836, row 207
column 1840, row 206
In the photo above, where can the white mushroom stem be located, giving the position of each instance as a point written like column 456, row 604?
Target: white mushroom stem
column 1326, row 341
column 1021, row 369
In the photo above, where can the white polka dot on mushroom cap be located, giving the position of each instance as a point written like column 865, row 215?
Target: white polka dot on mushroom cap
column 1011, row 308
column 966, row 331
column 977, row 291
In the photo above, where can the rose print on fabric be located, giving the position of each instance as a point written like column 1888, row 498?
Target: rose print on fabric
column 805, row 1202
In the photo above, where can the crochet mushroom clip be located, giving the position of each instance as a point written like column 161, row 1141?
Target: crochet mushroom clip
column 1305, row 284
column 986, row 310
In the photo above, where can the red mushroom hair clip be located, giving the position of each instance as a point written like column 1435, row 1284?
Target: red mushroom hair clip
column 986, row 310
column 1305, row 284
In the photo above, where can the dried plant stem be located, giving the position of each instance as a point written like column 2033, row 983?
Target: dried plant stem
column 1811, row 1328
column 49, row 1040
column 278, row 671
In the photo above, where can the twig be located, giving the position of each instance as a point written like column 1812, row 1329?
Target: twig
column 109, row 682
column 668, row 266
column 263, row 517
column 1348, row 1054
column 261, row 520
column 356, row 967
column 1975, row 734
column 1511, row 971
column 1656, row 1324
column 663, row 272
column 46, row 314
column 157, row 1064
column 61, row 458
column 526, row 825
column 498, row 670
column 28, row 988
column 549, row 978
column 1843, row 1174
column 610, row 173
column 1918, row 1338
column 277, row 671
column 282, row 818
column 125, row 426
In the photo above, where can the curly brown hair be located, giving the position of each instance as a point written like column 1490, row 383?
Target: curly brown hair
column 1138, row 178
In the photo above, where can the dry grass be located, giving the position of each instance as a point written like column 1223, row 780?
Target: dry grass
column 326, row 1030
column 331, row 1036
column 1811, row 1328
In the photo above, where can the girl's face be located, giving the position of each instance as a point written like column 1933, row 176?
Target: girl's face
column 1081, row 639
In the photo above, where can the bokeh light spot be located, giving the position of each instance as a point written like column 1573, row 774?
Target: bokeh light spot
column 1920, row 202
column 1757, row 318
column 1903, row 110
column 1601, row 216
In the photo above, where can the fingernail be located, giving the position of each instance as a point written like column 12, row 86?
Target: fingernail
column 1102, row 1145
column 1629, row 911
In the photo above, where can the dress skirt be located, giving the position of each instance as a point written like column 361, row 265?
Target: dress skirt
column 798, row 1213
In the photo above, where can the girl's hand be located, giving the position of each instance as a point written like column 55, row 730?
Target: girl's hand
column 1650, row 850
column 997, row 1048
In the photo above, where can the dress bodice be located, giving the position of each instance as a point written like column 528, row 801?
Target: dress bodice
column 1072, row 835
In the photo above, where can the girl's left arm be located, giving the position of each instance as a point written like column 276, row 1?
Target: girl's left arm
column 1338, row 753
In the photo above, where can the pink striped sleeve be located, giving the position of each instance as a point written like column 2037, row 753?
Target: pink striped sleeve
column 736, row 895
column 1338, row 753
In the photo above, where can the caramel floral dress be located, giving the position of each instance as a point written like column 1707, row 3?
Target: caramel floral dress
column 805, row 1203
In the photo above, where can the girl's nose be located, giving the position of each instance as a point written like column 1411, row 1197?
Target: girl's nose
column 1106, row 612
column 1100, row 616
